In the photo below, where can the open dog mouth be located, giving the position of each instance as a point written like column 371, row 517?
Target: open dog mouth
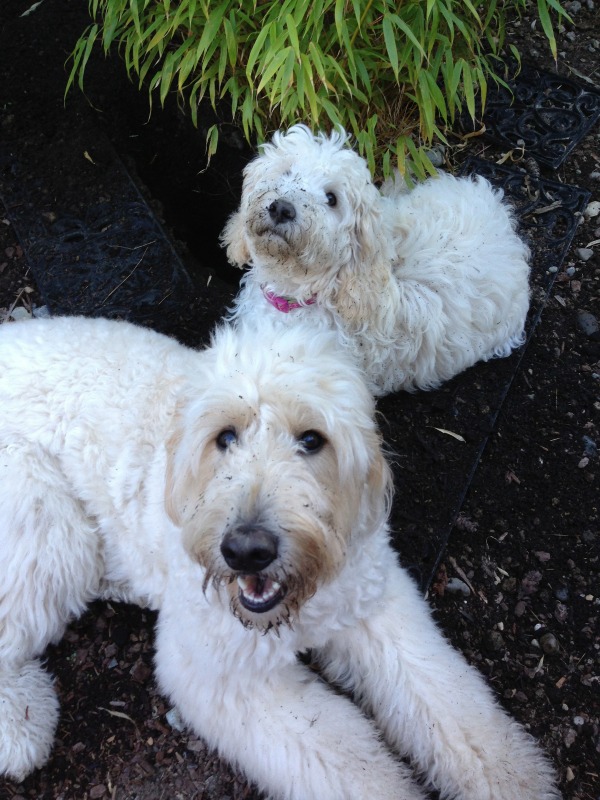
column 259, row 593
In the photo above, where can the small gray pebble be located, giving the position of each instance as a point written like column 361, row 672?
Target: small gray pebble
column 562, row 593
column 496, row 640
column 584, row 253
column 456, row 586
column 588, row 323
column 590, row 446
column 549, row 643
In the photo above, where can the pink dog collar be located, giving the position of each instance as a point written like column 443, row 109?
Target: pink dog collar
column 286, row 304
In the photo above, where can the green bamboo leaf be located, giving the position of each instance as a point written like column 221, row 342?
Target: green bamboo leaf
column 315, row 56
column 223, row 60
column 161, row 35
column 340, row 19
column 483, row 89
column 309, row 90
column 400, row 23
column 231, row 40
column 347, row 47
column 473, row 10
column 80, row 57
column 449, row 18
column 386, row 168
column 248, row 116
column 332, row 112
column 544, row 16
column 425, row 162
column 290, row 109
column 413, row 155
column 400, row 153
column 335, row 68
column 434, row 37
column 191, row 11
column 456, row 77
column 293, row 35
column 195, row 98
column 186, row 66
column 282, row 84
column 303, row 11
column 166, row 78
column 135, row 15
column 299, row 76
column 515, row 53
column 109, row 32
column 436, row 95
column 446, row 70
column 363, row 72
column 560, row 11
column 489, row 15
column 287, row 73
column 255, row 51
column 212, row 141
column 274, row 64
column 389, row 35
column 467, row 80
column 233, row 90
column 148, row 32
column 426, row 106
column 212, row 27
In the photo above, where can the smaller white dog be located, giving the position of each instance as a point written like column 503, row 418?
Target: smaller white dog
column 241, row 491
column 419, row 284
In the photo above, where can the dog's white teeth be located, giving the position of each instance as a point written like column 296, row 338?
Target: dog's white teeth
column 257, row 589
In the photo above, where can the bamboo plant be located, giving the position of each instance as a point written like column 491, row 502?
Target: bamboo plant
column 395, row 73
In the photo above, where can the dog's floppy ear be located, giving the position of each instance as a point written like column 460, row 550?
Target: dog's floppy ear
column 175, row 481
column 233, row 239
column 184, row 459
column 363, row 282
column 379, row 489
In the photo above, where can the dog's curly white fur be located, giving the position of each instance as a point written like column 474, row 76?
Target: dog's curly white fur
column 241, row 491
column 419, row 284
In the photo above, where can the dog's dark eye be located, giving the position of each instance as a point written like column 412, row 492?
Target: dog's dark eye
column 331, row 199
column 311, row 441
column 226, row 438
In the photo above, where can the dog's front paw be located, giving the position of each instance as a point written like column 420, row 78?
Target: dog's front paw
column 28, row 715
column 506, row 767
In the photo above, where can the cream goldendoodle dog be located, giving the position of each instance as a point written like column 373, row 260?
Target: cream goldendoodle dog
column 419, row 284
column 242, row 492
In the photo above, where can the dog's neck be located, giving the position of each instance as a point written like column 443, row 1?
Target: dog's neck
column 286, row 304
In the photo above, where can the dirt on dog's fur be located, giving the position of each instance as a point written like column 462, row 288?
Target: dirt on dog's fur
column 522, row 559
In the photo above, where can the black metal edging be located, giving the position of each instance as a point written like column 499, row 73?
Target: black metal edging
column 541, row 112
column 549, row 213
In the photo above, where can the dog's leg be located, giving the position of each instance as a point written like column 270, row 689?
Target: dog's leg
column 50, row 564
column 284, row 728
column 28, row 718
column 432, row 706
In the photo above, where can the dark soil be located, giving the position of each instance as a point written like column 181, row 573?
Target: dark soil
column 525, row 546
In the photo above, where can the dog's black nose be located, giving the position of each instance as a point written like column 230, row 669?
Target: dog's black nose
column 249, row 548
column 281, row 212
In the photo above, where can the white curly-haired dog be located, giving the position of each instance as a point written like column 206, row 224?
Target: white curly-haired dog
column 241, row 491
column 419, row 284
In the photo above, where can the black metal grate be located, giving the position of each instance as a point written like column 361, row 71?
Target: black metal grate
column 548, row 113
column 548, row 214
